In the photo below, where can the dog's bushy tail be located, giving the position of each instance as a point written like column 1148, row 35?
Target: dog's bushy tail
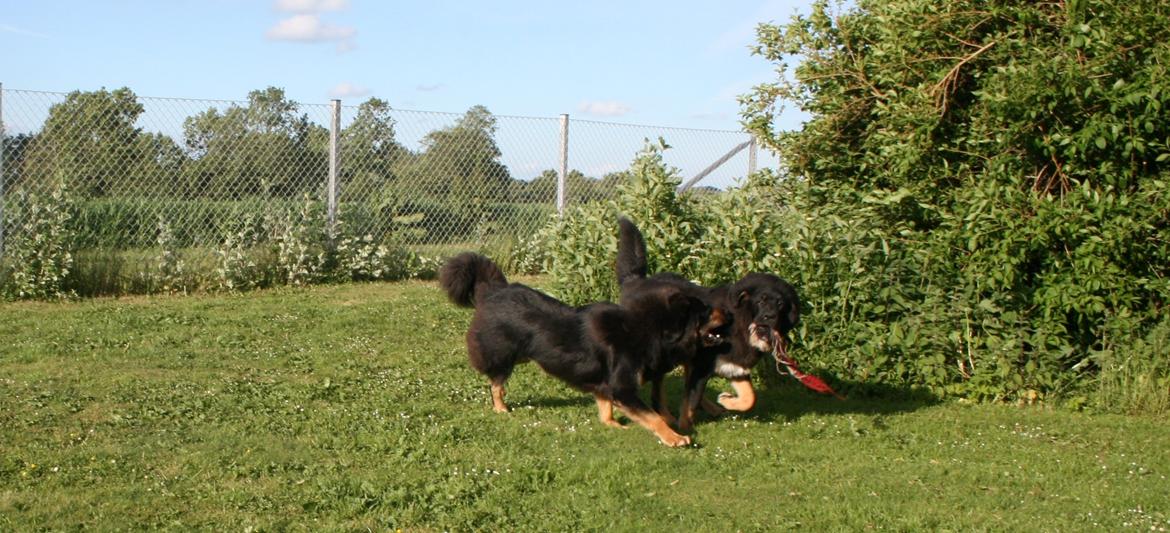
column 631, row 255
column 468, row 277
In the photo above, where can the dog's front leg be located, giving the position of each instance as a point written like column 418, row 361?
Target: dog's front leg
column 695, row 384
column 743, row 399
column 498, row 393
column 605, row 412
column 658, row 400
column 645, row 417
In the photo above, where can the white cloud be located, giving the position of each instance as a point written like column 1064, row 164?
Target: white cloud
column 8, row 28
column 348, row 90
column 429, row 88
column 710, row 115
column 604, row 108
column 311, row 6
column 309, row 29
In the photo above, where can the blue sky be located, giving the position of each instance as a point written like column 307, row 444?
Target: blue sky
column 679, row 63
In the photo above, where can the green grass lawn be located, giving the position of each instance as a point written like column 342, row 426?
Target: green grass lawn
column 352, row 407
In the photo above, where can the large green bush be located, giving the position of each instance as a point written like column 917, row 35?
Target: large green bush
column 1012, row 159
column 37, row 260
column 579, row 247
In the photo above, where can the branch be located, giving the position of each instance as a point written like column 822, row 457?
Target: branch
column 944, row 87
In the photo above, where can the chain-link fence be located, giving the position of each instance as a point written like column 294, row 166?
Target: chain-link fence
column 197, row 169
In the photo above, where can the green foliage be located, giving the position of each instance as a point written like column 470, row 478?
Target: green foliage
column 983, row 188
column 170, row 274
column 461, row 163
column 90, row 137
column 579, row 247
column 242, row 262
column 302, row 240
column 364, row 259
column 262, row 148
column 232, row 183
column 37, row 254
column 1134, row 369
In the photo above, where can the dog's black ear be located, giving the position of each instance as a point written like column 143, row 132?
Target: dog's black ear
column 678, row 302
column 793, row 313
column 743, row 299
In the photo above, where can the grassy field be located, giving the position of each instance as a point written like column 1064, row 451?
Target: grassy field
column 352, row 407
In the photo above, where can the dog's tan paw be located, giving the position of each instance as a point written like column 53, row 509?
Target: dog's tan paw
column 675, row 441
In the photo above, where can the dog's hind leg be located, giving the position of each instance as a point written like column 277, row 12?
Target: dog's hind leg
column 498, row 393
column 605, row 412
column 643, row 416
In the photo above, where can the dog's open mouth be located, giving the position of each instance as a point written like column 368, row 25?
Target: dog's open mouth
column 712, row 338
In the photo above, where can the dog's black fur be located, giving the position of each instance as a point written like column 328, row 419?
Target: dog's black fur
column 602, row 348
column 763, row 309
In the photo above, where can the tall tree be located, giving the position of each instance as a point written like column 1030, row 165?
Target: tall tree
column 16, row 148
column 369, row 150
column 462, row 161
column 89, row 139
column 264, row 148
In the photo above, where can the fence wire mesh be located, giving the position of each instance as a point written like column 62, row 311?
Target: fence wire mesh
column 197, row 170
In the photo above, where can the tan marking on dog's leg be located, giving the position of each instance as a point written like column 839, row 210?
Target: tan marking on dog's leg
column 665, row 410
column 498, row 393
column 686, row 412
column 712, row 408
column 743, row 399
column 655, row 423
column 605, row 412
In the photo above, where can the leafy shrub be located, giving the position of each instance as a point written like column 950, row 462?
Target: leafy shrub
column 37, row 252
column 983, row 190
column 170, row 273
column 580, row 246
column 301, row 240
column 242, row 262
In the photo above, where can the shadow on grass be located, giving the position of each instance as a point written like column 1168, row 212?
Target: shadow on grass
column 779, row 398
column 785, row 399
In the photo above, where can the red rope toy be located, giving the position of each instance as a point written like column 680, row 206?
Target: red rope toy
column 789, row 364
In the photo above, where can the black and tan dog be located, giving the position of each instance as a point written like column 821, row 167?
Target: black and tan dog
column 603, row 349
column 763, row 309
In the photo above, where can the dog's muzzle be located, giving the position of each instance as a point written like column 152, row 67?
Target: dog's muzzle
column 761, row 337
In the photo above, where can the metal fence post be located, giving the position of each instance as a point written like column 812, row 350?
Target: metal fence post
column 564, row 164
column 334, row 161
column 752, row 150
column 3, row 138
